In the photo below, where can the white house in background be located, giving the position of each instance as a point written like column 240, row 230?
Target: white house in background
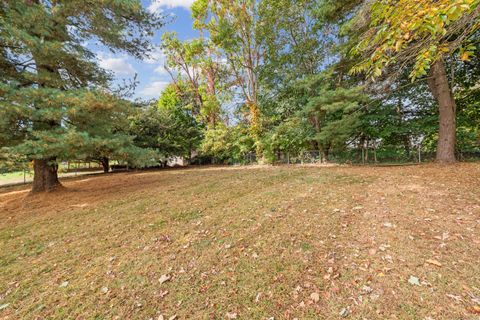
column 177, row 162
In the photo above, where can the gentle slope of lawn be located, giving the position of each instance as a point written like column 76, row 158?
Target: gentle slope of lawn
column 246, row 243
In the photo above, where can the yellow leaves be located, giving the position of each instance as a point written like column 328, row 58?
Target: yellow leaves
column 398, row 45
column 465, row 53
column 399, row 23
column 377, row 72
column 444, row 49
column 465, row 56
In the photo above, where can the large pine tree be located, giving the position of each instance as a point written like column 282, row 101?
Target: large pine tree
column 45, row 68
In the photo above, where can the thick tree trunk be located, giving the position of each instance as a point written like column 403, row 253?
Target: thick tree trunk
column 438, row 83
column 105, row 164
column 324, row 155
column 325, row 151
column 45, row 178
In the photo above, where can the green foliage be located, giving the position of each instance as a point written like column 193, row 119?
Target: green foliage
column 196, row 72
column 326, row 116
column 418, row 32
column 55, row 100
column 233, row 30
column 264, row 76
column 292, row 136
column 227, row 144
column 168, row 127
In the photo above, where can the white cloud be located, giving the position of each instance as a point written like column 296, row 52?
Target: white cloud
column 157, row 5
column 154, row 89
column 155, row 56
column 161, row 70
column 119, row 65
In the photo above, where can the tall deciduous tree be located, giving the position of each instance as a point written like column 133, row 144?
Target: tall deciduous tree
column 196, row 72
column 422, row 33
column 44, row 64
column 233, row 28
column 168, row 127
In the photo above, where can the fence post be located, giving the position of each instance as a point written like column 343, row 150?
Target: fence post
column 24, row 177
column 419, row 153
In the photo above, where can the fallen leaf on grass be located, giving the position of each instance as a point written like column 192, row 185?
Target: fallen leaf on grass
column 344, row 313
column 164, row 278
column 367, row 289
column 335, row 289
column 83, row 205
column 231, row 315
column 454, row 297
column 383, row 247
column 163, row 293
column 474, row 309
column 4, row 306
column 434, row 262
column 414, row 281
column 315, row 297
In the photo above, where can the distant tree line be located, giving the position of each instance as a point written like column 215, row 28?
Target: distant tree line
column 263, row 77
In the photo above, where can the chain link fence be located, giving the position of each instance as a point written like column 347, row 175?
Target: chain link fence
column 386, row 155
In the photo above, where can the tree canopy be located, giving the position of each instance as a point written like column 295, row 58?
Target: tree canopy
column 263, row 78
column 56, row 102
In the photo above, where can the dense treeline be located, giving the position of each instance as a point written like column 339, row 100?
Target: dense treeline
column 264, row 77
column 331, row 76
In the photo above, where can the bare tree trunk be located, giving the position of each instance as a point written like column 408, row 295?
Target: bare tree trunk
column 324, row 152
column 440, row 88
column 45, row 178
column 367, row 145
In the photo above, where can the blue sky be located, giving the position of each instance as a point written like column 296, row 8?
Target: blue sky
column 150, row 73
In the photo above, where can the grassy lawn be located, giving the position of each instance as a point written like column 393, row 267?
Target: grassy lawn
column 18, row 178
column 246, row 243
column 15, row 177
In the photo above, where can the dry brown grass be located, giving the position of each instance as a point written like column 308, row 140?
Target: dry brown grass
column 253, row 243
